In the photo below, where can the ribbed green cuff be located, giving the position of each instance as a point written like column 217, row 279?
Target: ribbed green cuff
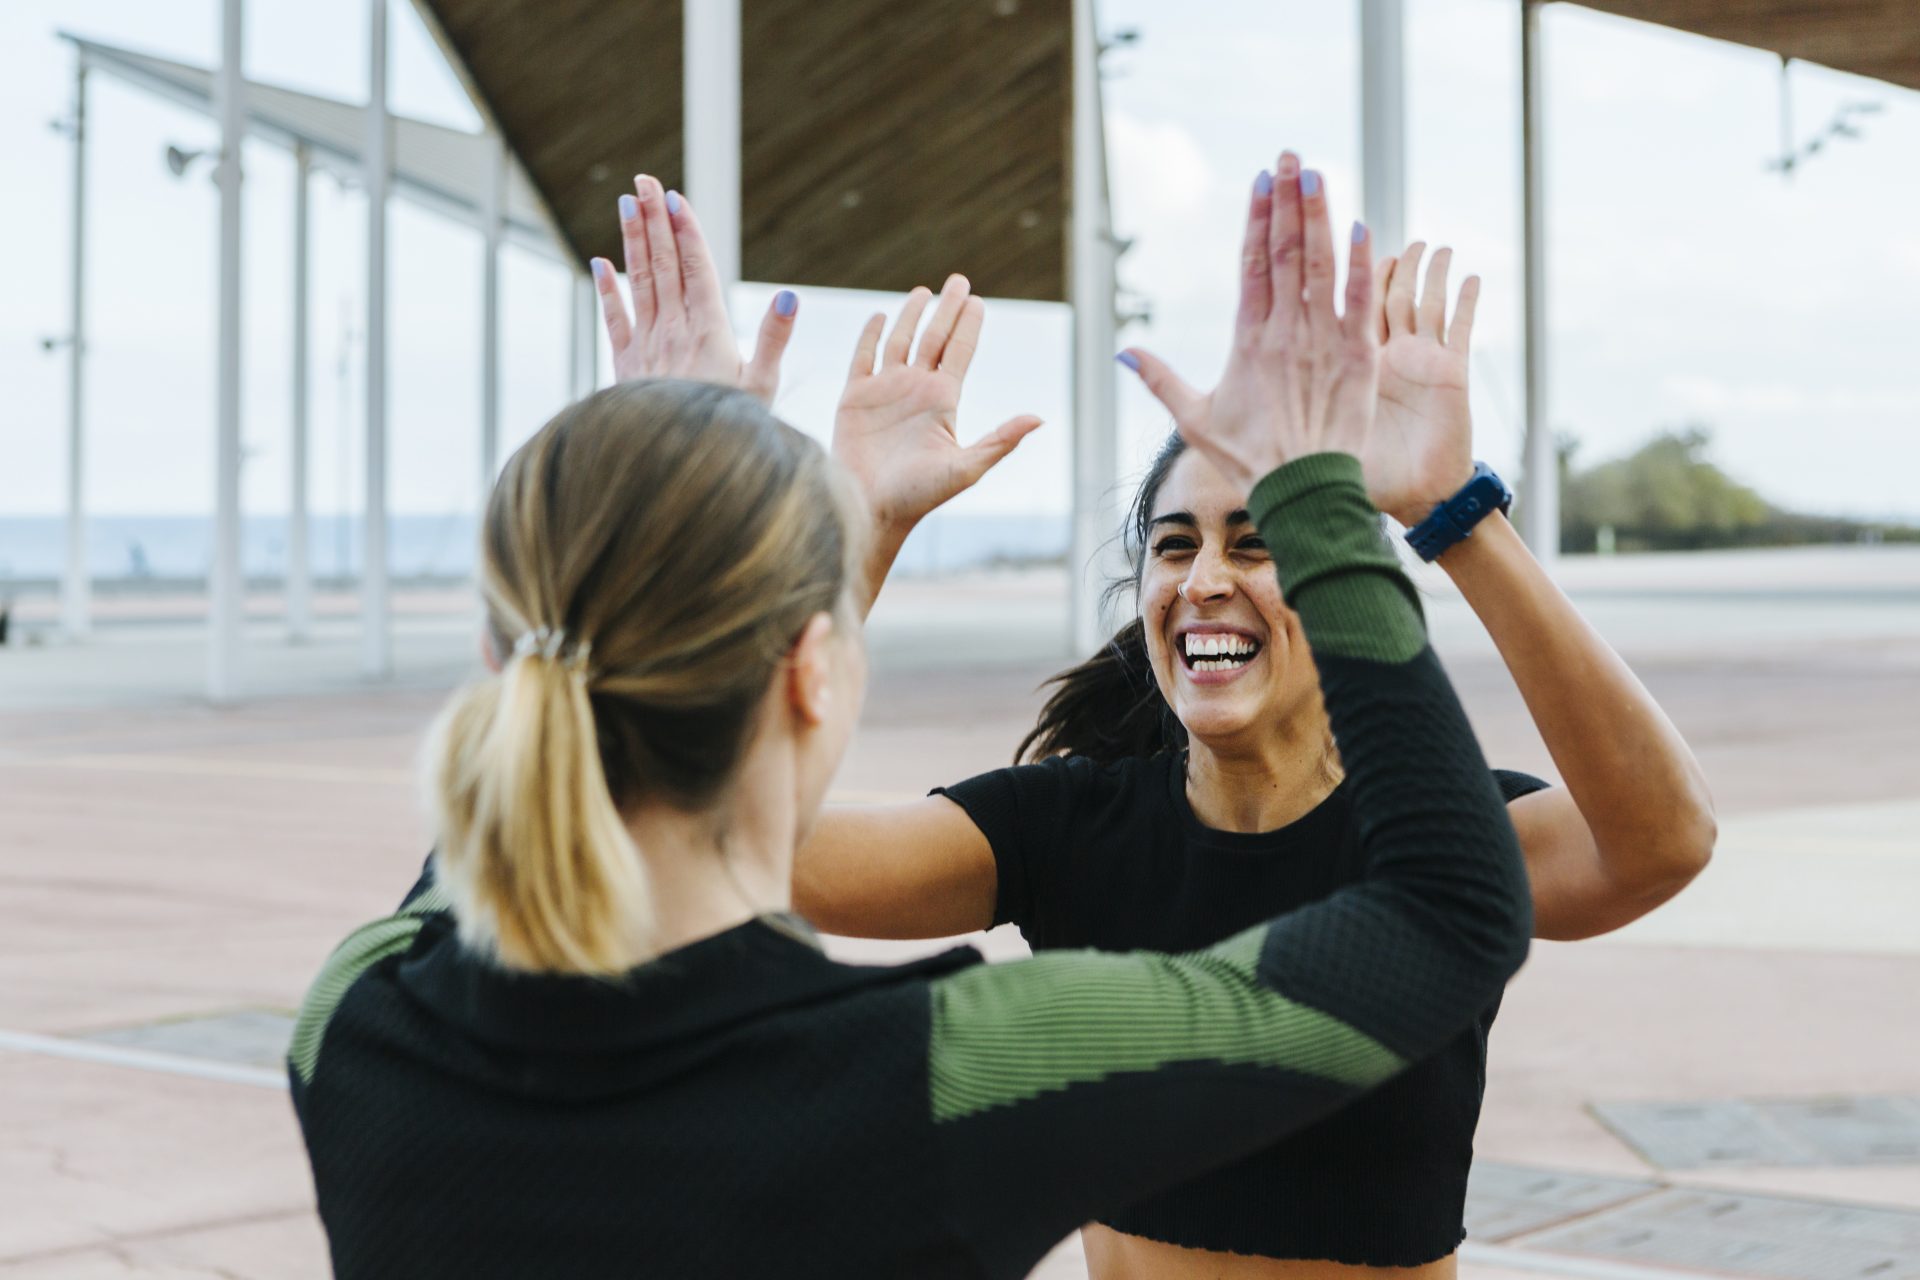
column 1336, row 567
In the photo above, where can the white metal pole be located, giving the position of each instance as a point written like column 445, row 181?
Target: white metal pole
column 226, row 588
column 1090, row 286
column 1383, row 122
column 77, row 584
column 583, row 315
column 376, row 630
column 710, row 76
column 1540, row 491
column 299, row 556
column 493, row 227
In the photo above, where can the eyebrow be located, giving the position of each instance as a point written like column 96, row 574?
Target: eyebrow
column 1237, row 516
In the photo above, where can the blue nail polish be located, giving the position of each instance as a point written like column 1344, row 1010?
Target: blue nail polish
column 1263, row 185
column 601, row 268
column 673, row 202
column 1130, row 360
column 1309, row 183
column 1359, row 232
column 785, row 303
column 629, row 208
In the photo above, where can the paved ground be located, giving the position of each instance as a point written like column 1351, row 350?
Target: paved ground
column 165, row 860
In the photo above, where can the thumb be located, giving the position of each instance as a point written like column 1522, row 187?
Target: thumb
column 761, row 376
column 1181, row 400
column 982, row 454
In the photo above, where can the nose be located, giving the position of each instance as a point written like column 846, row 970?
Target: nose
column 1208, row 580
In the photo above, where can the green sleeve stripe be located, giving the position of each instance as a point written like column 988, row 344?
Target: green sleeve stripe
column 364, row 947
column 1336, row 567
column 1007, row 1033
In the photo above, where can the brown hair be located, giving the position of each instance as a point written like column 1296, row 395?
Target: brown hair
column 647, row 560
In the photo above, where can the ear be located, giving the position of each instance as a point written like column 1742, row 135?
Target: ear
column 809, row 671
column 487, row 654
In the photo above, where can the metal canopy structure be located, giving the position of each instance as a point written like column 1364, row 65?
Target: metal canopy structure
column 1875, row 38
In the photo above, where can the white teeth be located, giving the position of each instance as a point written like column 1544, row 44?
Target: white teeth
column 1217, row 643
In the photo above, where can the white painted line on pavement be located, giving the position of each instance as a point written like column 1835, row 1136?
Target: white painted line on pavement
column 141, row 1059
column 1561, row 1264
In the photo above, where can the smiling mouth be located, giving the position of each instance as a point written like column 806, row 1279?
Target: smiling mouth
column 1217, row 651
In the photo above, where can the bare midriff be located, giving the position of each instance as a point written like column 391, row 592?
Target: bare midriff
column 1112, row 1255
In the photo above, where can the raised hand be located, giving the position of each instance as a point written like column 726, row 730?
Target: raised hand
column 679, row 326
column 1421, row 449
column 1302, row 376
column 895, row 426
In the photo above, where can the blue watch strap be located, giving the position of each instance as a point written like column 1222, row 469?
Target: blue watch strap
column 1453, row 520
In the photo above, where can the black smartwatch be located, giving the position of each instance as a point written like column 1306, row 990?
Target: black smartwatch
column 1453, row 520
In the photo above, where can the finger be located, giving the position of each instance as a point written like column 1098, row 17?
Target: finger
column 868, row 345
column 612, row 308
column 663, row 257
column 700, row 281
column 1182, row 401
column 1401, row 284
column 1283, row 243
column 762, row 374
column 1256, row 273
column 1382, row 284
column 1361, row 323
column 900, row 341
column 633, row 240
column 1460, row 332
column 965, row 340
column 1432, row 320
column 953, row 301
column 1319, row 265
column 980, row 456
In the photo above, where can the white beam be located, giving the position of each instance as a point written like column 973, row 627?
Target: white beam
column 1540, row 488
column 1090, row 286
column 710, row 76
column 1383, row 122
column 583, row 337
column 493, row 231
column 299, row 556
column 376, row 628
column 76, row 586
column 226, row 588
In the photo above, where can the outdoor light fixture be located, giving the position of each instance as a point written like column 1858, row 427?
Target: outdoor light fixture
column 179, row 159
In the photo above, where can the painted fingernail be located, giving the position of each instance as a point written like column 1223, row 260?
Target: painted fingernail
column 673, row 202
column 1309, row 183
column 602, row 268
column 1263, row 184
column 629, row 208
column 1130, row 360
column 1359, row 232
column 785, row 302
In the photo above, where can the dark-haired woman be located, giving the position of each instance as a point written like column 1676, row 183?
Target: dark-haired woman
column 594, row 1042
column 1184, row 782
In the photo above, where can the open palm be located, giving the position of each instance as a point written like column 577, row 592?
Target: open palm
column 895, row 428
column 1421, row 449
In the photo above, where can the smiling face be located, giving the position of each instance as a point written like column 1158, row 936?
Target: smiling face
column 1227, row 653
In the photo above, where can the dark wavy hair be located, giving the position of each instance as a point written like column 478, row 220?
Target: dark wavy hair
column 1109, row 707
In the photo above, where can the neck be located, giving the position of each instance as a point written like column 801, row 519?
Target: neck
column 1263, row 781
column 712, row 870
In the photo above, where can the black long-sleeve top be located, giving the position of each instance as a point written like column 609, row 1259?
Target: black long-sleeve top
column 746, row 1106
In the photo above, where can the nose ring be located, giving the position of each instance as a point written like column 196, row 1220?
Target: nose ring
column 1181, row 590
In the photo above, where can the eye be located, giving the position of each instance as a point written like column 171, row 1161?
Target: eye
column 1173, row 544
column 1253, row 544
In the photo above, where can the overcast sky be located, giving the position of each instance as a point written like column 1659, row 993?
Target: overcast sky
column 1686, row 283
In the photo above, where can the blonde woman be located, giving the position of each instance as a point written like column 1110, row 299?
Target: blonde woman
column 595, row 1041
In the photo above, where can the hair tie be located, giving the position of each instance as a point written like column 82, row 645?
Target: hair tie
column 551, row 644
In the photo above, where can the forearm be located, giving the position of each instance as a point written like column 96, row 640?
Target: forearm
column 1635, row 781
column 884, row 541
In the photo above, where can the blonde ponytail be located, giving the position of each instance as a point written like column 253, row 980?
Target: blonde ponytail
column 542, row 872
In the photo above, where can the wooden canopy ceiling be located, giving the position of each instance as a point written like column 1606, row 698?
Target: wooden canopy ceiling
column 884, row 144
column 1877, row 38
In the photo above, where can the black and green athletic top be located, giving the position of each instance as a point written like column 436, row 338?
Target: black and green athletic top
column 745, row 1106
